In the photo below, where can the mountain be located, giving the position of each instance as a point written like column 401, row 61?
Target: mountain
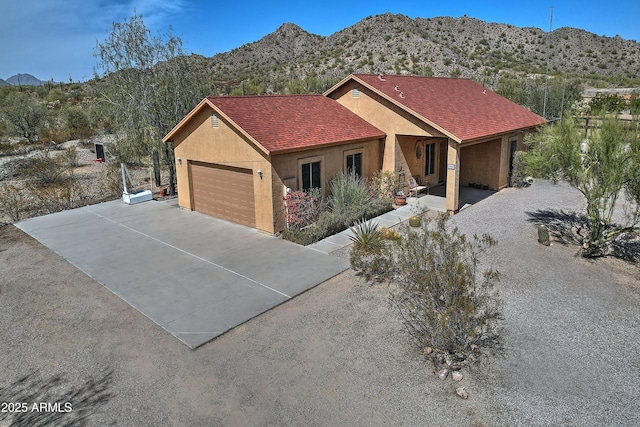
column 3, row 83
column 441, row 46
column 24, row 80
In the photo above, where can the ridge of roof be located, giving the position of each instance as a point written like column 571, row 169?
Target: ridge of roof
column 282, row 123
column 460, row 108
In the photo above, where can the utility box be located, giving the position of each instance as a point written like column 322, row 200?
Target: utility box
column 99, row 147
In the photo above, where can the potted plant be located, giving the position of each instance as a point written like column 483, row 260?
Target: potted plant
column 400, row 199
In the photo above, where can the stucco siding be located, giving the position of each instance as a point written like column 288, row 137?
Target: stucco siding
column 199, row 141
column 481, row 163
column 286, row 168
column 384, row 115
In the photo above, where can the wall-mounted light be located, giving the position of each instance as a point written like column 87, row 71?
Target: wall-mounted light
column 179, row 161
column 260, row 174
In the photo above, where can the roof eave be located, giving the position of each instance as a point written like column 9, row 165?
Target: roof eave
column 328, row 144
column 500, row 134
column 197, row 109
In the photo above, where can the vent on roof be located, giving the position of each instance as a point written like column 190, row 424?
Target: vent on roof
column 214, row 120
column 355, row 93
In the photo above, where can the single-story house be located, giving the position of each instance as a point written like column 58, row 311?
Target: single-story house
column 440, row 130
column 237, row 156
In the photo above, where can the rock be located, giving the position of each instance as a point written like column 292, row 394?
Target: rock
column 462, row 393
column 455, row 367
column 442, row 374
column 428, row 350
column 456, row 375
column 475, row 348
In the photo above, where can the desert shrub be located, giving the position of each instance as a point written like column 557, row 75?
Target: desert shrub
column 348, row 192
column 78, row 123
column 350, row 200
column 71, row 157
column 13, row 202
column 444, row 301
column 302, row 208
column 112, row 179
column 369, row 243
column 55, row 197
column 45, row 169
column 518, row 173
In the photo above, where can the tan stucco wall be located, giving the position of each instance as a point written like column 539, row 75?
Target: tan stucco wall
column 286, row 169
column 481, row 163
column 199, row 141
column 413, row 166
column 386, row 116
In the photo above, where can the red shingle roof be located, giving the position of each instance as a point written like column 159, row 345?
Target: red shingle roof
column 290, row 122
column 462, row 108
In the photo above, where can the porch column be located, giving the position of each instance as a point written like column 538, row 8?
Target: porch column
column 453, row 176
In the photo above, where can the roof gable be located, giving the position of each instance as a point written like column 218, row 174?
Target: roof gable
column 290, row 122
column 461, row 108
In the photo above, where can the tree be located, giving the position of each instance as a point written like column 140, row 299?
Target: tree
column 25, row 114
column 149, row 87
column 602, row 164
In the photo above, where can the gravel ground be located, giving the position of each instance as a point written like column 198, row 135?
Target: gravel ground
column 335, row 355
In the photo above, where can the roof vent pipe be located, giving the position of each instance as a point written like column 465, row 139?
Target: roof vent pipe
column 397, row 88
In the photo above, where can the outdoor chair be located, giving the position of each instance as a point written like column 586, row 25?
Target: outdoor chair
column 414, row 186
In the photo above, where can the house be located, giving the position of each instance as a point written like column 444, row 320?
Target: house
column 236, row 157
column 441, row 130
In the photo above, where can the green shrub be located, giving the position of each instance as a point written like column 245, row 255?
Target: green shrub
column 442, row 298
column 348, row 192
column 368, row 245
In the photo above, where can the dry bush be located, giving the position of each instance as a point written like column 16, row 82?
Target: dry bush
column 13, row 202
column 442, row 298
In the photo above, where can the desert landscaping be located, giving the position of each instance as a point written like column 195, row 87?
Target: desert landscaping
column 337, row 354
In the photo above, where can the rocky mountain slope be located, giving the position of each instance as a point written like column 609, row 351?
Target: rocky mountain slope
column 442, row 46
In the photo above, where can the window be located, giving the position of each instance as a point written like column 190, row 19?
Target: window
column 311, row 175
column 430, row 159
column 354, row 164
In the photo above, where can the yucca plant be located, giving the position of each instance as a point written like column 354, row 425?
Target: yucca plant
column 368, row 249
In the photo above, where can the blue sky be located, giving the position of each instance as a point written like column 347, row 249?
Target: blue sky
column 55, row 38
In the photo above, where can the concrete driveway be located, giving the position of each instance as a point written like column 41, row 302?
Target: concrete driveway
column 194, row 275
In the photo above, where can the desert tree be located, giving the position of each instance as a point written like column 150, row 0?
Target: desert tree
column 602, row 164
column 24, row 113
column 149, row 87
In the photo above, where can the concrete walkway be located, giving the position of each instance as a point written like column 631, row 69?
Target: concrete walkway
column 192, row 274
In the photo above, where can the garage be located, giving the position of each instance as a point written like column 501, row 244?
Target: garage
column 223, row 192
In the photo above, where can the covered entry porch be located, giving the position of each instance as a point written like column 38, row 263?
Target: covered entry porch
column 455, row 174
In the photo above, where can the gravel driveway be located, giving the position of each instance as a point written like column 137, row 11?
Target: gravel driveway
column 335, row 355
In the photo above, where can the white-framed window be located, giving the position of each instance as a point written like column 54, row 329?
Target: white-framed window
column 311, row 171
column 353, row 161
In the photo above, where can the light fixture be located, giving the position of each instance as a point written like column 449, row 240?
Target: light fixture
column 260, row 174
column 179, row 161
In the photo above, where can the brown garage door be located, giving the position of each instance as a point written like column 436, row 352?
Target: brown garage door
column 224, row 192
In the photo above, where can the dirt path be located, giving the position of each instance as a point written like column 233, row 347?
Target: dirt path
column 335, row 355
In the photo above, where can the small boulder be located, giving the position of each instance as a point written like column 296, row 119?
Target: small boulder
column 462, row 393
column 442, row 374
column 456, row 375
column 428, row 351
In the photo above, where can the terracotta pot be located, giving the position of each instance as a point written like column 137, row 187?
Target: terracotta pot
column 400, row 200
column 163, row 191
